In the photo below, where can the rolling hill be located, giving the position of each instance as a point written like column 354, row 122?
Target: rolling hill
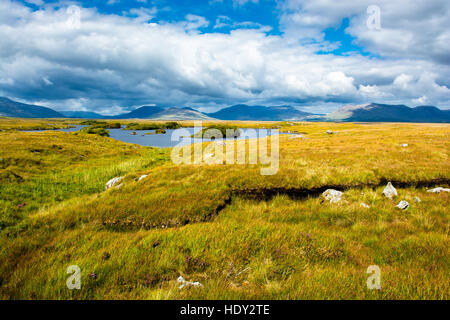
column 375, row 112
column 10, row 108
column 259, row 113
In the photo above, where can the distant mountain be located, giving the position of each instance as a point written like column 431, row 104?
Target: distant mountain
column 181, row 114
column 10, row 108
column 373, row 112
column 376, row 112
column 82, row 115
column 158, row 113
column 144, row 112
column 259, row 113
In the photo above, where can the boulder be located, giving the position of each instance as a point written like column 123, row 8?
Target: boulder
column 329, row 132
column 365, row 205
column 114, row 181
column 142, row 177
column 297, row 136
column 404, row 145
column 334, row 196
column 438, row 190
column 389, row 191
column 184, row 283
column 403, row 205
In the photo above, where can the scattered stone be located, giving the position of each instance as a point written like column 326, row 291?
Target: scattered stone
column 142, row 177
column 297, row 136
column 403, row 205
column 185, row 283
column 404, row 145
column 438, row 190
column 329, row 132
column 390, row 192
column 133, row 133
column 114, row 181
column 417, row 199
column 334, row 196
column 365, row 205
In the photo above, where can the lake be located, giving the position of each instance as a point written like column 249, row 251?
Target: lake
column 172, row 138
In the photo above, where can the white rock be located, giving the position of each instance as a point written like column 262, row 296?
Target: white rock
column 365, row 205
column 403, row 205
column 297, row 136
column 390, row 191
column 404, row 145
column 142, row 177
column 111, row 183
column 438, row 190
column 185, row 283
column 417, row 199
column 329, row 132
column 332, row 195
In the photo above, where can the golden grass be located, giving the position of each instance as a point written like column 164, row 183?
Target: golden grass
column 217, row 224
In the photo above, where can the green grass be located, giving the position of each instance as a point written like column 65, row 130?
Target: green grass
column 41, row 169
column 217, row 224
column 152, row 126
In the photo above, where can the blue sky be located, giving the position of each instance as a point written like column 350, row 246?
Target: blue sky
column 263, row 12
column 315, row 55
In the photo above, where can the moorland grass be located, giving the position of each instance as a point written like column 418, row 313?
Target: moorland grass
column 213, row 224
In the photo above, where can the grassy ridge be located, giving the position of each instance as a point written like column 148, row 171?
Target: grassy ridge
column 41, row 169
column 193, row 220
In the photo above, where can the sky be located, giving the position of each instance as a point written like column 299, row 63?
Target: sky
column 112, row 56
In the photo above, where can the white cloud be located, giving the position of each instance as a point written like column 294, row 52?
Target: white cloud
column 113, row 62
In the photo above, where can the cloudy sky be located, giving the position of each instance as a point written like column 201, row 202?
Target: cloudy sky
column 110, row 56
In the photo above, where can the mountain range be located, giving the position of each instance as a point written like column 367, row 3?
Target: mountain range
column 376, row 112
column 10, row 108
column 259, row 113
column 373, row 112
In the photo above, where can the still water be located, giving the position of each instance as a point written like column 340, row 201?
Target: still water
column 172, row 138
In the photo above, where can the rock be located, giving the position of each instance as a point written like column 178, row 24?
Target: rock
column 133, row 133
column 403, row 205
column 334, row 196
column 329, row 132
column 142, row 177
column 417, row 199
column 390, row 192
column 185, row 283
column 404, row 145
column 114, row 181
column 365, row 205
column 297, row 136
column 438, row 190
